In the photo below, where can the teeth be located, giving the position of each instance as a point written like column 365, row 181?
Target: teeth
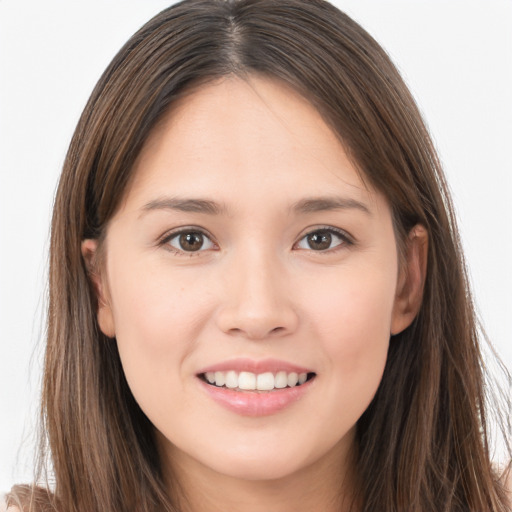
column 251, row 381
column 281, row 380
column 220, row 378
column 231, row 379
column 265, row 381
column 247, row 380
column 293, row 378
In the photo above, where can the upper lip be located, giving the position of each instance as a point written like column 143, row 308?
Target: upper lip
column 255, row 366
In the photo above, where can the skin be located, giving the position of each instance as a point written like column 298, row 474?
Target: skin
column 255, row 289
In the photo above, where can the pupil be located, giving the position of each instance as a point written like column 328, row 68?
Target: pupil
column 320, row 240
column 191, row 241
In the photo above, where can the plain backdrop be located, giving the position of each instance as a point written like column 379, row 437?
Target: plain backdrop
column 455, row 55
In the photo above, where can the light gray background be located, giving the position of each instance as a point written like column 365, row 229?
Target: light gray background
column 455, row 55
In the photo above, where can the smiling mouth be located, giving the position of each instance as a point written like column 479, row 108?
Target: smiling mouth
column 248, row 381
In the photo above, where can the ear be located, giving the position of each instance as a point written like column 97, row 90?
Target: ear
column 104, row 313
column 411, row 280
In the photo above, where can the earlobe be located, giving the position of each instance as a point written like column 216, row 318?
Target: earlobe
column 411, row 280
column 105, row 317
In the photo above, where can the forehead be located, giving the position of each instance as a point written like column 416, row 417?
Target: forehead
column 232, row 137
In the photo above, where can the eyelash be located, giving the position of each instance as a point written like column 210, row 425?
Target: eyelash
column 346, row 240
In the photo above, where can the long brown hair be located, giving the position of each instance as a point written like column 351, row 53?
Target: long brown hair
column 422, row 445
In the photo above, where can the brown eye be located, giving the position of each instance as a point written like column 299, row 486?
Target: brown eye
column 190, row 241
column 324, row 239
column 319, row 241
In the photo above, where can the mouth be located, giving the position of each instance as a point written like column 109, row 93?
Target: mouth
column 245, row 381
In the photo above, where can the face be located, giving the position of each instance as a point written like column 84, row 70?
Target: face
column 252, row 282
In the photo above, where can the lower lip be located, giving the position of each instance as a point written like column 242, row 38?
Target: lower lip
column 251, row 403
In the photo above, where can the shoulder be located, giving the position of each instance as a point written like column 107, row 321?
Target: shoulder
column 28, row 497
column 24, row 497
column 6, row 503
column 4, row 507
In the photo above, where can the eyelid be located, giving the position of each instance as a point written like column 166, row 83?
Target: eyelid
column 347, row 239
column 169, row 235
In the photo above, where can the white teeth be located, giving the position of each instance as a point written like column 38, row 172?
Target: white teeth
column 220, row 378
column 250, row 381
column 293, row 378
column 231, row 379
column 247, row 380
column 265, row 381
column 281, row 380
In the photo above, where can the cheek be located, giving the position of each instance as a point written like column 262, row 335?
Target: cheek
column 359, row 321
column 157, row 318
column 352, row 324
column 152, row 306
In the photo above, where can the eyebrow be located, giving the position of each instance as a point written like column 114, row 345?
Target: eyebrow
column 206, row 206
column 329, row 203
column 185, row 205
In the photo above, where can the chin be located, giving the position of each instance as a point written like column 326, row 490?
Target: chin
column 261, row 469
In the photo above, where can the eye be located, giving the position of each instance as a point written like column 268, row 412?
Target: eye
column 324, row 239
column 188, row 241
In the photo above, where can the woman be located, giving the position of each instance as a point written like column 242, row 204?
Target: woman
column 257, row 295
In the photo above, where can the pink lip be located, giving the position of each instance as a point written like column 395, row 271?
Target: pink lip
column 254, row 366
column 256, row 403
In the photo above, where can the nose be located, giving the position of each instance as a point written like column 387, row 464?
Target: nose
column 258, row 302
